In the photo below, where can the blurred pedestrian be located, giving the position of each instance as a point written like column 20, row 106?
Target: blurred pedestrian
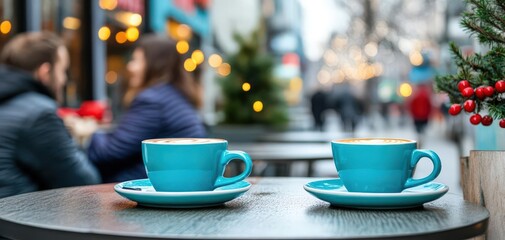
column 348, row 106
column 318, row 106
column 36, row 151
column 420, row 108
column 163, row 99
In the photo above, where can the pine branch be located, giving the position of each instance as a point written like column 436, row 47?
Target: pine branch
column 497, row 108
column 463, row 62
column 485, row 34
column 448, row 84
column 501, row 4
column 487, row 14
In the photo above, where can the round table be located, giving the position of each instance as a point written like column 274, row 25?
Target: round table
column 274, row 208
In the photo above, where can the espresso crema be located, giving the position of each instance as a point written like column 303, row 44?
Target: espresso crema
column 183, row 140
column 374, row 141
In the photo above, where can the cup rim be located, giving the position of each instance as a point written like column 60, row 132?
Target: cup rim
column 213, row 141
column 342, row 141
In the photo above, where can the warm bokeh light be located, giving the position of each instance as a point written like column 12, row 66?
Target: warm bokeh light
column 337, row 76
column 355, row 53
column 132, row 34
column 121, row 37
column 378, row 69
column 405, row 90
column 5, row 27
column 108, row 4
column 369, row 71
column 339, row 42
column 258, row 106
column 198, row 56
column 111, row 77
column 330, row 58
column 416, row 58
column 129, row 19
column 182, row 46
column 135, row 20
column 71, row 23
column 371, row 49
column 246, row 87
column 296, row 84
column 224, row 69
column 215, row 60
column 183, row 32
column 323, row 76
column 190, row 65
column 104, row 33
column 382, row 28
column 292, row 93
column 363, row 72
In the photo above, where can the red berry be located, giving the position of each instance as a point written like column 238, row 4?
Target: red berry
column 502, row 123
column 500, row 86
column 469, row 105
column 489, row 91
column 479, row 93
column 463, row 84
column 487, row 120
column 475, row 119
column 455, row 109
column 467, row 92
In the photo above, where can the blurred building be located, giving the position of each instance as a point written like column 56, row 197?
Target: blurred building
column 283, row 26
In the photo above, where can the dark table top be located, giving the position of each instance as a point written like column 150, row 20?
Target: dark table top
column 274, row 208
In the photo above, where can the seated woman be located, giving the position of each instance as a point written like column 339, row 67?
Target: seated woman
column 162, row 99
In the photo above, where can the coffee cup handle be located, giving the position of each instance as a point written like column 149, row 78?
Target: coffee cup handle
column 416, row 156
column 226, row 158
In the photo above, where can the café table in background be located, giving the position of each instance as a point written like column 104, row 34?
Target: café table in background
column 303, row 137
column 283, row 155
column 273, row 208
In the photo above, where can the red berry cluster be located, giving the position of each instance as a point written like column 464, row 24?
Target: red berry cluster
column 481, row 93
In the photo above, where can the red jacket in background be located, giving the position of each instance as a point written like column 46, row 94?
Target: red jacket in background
column 420, row 103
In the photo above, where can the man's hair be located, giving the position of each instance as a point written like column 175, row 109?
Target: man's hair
column 28, row 51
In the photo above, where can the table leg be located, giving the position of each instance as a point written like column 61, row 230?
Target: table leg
column 310, row 168
column 282, row 169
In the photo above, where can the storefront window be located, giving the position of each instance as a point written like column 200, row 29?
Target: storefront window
column 65, row 19
column 125, row 20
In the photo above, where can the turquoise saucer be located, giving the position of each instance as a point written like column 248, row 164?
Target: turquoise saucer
column 334, row 192
column 142, row 192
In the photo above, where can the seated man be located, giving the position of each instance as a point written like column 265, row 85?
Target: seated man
column 36, row 151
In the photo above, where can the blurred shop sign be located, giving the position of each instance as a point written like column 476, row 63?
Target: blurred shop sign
column 136, row 6
column 284, row 42
column 192, row 13
column 190, row 6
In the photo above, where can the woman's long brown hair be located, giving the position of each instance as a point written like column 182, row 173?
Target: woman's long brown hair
column 165, row 64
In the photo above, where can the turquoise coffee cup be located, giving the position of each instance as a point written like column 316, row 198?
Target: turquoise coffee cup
column 190, row 164
column 380, row 165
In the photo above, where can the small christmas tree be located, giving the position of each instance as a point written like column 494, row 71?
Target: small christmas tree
column 478, row 85
column 251, row 94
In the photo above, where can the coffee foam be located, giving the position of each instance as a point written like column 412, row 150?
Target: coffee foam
column 183, row 140
column 374, row 140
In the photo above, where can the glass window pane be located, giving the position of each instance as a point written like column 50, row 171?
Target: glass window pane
column 65, row 19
